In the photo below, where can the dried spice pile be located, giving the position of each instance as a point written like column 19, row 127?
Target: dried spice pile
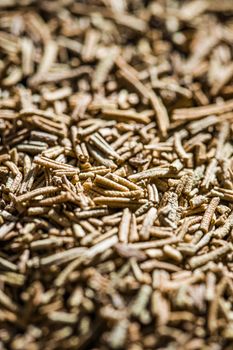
column 116, row 169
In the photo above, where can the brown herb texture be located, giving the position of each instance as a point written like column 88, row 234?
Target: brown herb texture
column 116, row 175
